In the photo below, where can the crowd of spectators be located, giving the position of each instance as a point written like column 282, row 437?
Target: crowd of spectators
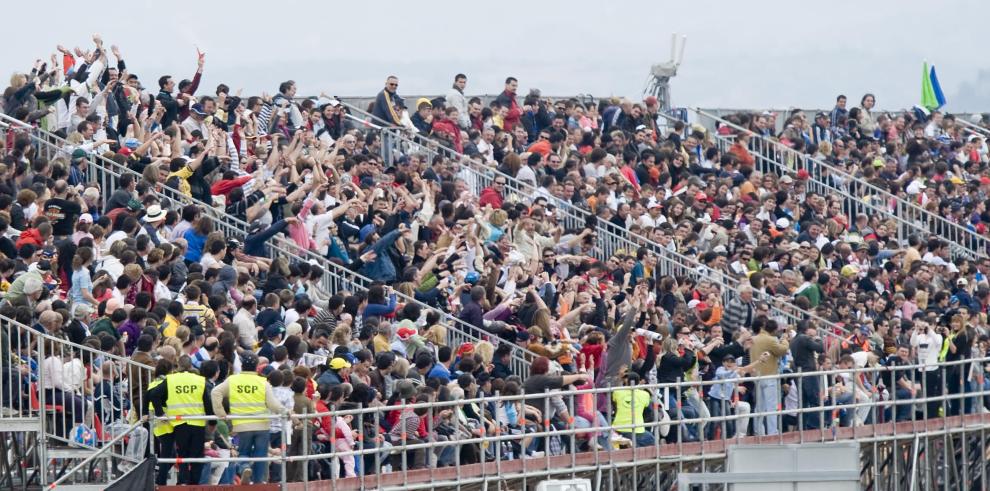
column 143, row 270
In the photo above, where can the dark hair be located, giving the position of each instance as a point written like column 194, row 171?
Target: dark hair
column 144, row 342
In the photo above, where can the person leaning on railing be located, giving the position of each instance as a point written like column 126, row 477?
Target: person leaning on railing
column 767, row 340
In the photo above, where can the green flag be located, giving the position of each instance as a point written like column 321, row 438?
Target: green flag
column 928, row 98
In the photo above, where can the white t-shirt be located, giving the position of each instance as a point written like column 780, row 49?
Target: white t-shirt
column 527, row 174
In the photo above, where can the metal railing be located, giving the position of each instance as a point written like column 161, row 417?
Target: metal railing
column 81, row 400
column 397, row 142
column 106, row 172
column 974, row 129
column 858, row 195
column 339, row 278
column 567, row 432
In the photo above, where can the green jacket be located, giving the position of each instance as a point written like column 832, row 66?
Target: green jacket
column 103, row 324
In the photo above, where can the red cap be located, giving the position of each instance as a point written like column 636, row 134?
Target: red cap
column 701, row 196
column 803, row 174
column 465, row 348
column 984, row 180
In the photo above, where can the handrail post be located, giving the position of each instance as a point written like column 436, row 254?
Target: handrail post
column 42, row 417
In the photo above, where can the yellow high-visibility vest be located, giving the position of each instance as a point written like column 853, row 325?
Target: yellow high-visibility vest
column 161, row 427
column 185, row 397
column 247, row 397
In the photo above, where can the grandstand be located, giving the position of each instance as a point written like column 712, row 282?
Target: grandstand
column 457, row 292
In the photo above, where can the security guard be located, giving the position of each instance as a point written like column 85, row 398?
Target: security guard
column 183, row 393
column 164, row 439
column 249, row 394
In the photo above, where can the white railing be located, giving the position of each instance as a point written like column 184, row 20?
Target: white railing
column 397, row 142
column 859, row 195
column 106, row 172
column 572, row 443
column 85, row 419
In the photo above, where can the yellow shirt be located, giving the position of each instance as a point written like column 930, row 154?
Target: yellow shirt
column 183, row 174
column 170, row 325
column 629, row 406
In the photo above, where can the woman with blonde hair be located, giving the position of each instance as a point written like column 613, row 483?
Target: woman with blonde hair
column 486, row 351
column 436, row 335
column 340, row 336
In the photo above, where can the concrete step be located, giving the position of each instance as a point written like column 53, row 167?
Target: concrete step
column 70, row 453
column 20, row 424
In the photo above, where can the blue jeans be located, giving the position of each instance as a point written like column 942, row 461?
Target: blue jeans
column 255, row 444
column 725, row 427
column 845, row 415
column 902, row 411
column 686, row 431
column 644, row 439
column 767, row 400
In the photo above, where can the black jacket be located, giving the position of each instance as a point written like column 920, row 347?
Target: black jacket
column 171, row 108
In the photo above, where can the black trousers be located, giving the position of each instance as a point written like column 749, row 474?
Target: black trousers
column 933, row 388
column 189, row 440
column 165, row 449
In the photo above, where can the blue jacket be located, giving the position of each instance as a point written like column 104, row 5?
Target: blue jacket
column 196, row 242
column 381, row 269
column 383, row 105
column 439, row 371
column 254, row 245
column 377, row 309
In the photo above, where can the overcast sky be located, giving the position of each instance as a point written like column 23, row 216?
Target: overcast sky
column 739, row 54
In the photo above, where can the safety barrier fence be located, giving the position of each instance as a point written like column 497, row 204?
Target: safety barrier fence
column 563, row 432
column 66, row 400
column 973, row 129
column 337, row 277
column 608, row 239
column 858, row 196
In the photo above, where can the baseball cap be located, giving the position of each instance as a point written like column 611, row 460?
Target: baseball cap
column 465, row 348
column 405, row 332
column 366, row 231
column 276, row 329
column 198, row 109
column 803, row 175
column 79, row 154
column 339, row 363
column 85, row 218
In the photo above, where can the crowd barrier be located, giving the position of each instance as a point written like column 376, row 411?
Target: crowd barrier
column 858, row 195
column 413, row 462
column 608, row 238
column 106, row 173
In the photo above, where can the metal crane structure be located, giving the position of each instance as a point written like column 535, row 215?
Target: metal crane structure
column 658, row 83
